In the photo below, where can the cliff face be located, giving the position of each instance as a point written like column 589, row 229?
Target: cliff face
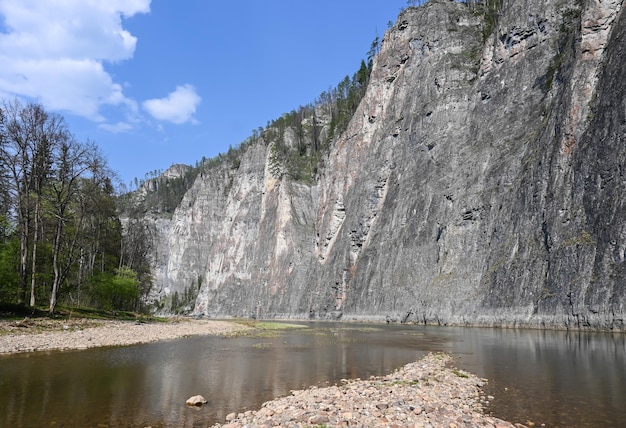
column 480, row 181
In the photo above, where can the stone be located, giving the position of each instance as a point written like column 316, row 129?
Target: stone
column 318, row 420
column 196, row 400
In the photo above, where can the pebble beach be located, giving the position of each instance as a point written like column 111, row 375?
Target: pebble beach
column 53, row 335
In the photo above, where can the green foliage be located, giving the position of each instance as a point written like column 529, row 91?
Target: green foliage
column 584, row 239
column 169, row 192
column 233, row 157
column 270, row 325
column 9, row 266
column 374, row 48
column 301, row 138
column 571, row 21
column 491, row 13
column 58, row 219
column 116, row 291
column 347, row 97
column 164, row 194
column 553, row 69
column 184, row 302
column 460, row 373
column 489, row 10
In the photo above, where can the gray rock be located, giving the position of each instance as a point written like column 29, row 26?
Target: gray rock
column 480, row 182
column 196, row 400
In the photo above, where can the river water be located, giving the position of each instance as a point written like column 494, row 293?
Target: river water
column 571, row 379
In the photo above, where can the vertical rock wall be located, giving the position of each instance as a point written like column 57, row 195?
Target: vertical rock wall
column 479, row 182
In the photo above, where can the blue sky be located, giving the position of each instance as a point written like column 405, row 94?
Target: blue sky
column 159, row 82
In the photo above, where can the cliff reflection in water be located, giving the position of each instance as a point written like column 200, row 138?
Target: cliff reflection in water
column 569, row 378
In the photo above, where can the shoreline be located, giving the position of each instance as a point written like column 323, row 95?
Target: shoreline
column 427, row 393
column 77, row 334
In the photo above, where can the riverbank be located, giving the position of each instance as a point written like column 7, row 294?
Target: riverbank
column 30, row 335
column 427, row 393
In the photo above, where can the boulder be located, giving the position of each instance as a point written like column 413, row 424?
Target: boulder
column 196, row 400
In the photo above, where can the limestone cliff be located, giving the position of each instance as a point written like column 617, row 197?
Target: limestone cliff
column 480, row 181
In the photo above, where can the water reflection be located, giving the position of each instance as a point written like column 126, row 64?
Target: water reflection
column 556, row 378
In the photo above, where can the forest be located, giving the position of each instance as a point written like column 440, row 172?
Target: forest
column 61, row 240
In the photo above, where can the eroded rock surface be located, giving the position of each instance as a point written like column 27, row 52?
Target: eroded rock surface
column 480, row 181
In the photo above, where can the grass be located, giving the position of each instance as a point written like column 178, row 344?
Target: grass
column 267, row 329
column 460, row 373
column 20, row 319
column 400, row 383
column 584, row 239
column 269, row 325
column 264, row 345
column 10, row 311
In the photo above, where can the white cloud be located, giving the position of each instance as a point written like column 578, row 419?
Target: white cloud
column 54, row 51
column 178, row 107
column 116, row 128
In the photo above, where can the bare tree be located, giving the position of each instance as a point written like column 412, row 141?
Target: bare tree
column 27, row 138
column 15, row 158
column 48, row 132
column 136, row 246
column 54, row 187
column 72, row 161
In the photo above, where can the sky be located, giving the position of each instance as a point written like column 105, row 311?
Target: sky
column 159, row 82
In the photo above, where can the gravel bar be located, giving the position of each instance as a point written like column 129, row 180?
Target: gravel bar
column 52, row 335
column 426, row 393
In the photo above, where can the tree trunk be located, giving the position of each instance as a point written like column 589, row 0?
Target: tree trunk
column 23, row 260
column 56, row 282
column 33, row 279
column 23, row 269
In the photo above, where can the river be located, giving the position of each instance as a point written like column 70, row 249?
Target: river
column 556, row 378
